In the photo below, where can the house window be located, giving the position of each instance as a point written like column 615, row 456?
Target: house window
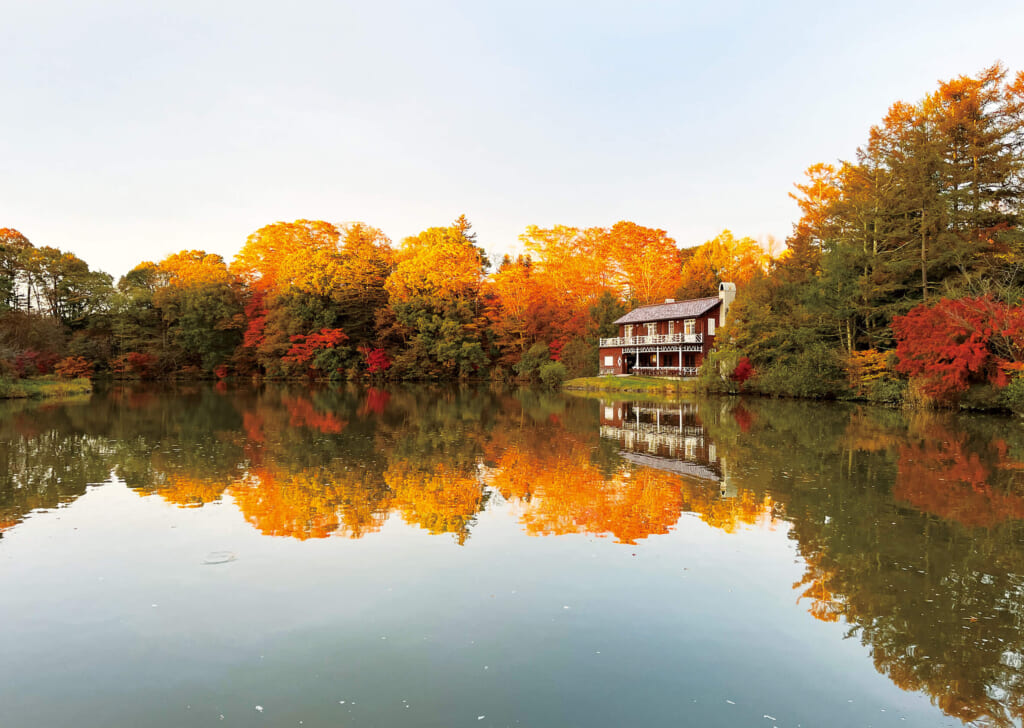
column 609, row 361
column 629, row 329
column 711, row 327
column 690, row 326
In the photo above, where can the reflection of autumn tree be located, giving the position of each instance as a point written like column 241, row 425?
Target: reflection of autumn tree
column 303, row 413
column 434, row 453
column 44, row 462
column 563, row 489
column 440, row 498
column 942, row 472
column 932, row 595
column 564, row 493
column 313, row 503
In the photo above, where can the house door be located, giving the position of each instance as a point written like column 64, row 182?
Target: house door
column 629, row 360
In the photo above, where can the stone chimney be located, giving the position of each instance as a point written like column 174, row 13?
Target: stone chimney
column 726, row 292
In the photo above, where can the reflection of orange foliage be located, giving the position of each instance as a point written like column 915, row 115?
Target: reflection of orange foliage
column 728, row 514
column 825, row 606
column 303, row 414
column 189, row 491
column 629, row 508
column 287, row 508
column 867, row 434
column 566, row 493
column 311, row 504
column 440, row 498
column 252, row 424
column 940, row 474
column 8, row 523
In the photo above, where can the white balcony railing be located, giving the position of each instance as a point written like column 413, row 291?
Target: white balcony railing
column 655, row 339
column 667, row 371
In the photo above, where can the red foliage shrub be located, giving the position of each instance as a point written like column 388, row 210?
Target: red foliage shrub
column 744, row 370
column 73, row 367
column 377, row 360
column 134, row 364
column 30, row 362
column 305, row 347
column 957, row 342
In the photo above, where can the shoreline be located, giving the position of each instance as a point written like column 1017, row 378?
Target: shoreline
column 44, row 388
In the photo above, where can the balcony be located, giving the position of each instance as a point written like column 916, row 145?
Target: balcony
column 655, row 339
column 666, row 371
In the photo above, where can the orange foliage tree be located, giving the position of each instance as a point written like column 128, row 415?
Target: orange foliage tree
column 724, row 258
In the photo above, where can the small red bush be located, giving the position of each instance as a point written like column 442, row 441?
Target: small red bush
column 744, row 370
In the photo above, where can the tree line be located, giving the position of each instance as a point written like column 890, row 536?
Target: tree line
column 312, row 298
column 901, row 280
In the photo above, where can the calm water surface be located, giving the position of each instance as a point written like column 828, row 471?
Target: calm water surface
column 474, row 557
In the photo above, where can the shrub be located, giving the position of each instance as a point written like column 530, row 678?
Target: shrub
column 865, row 369
column 742, row 372
column 815, row 372
column 955, row 343
column 579, row 357
column 134, row 364
column 552, row 374
column 73, row 367
column 31, row 362
column 377, row 361
column 716, row 373
column 529, row 366
column 887, row 390
column 1013, row 395
column 981, row 397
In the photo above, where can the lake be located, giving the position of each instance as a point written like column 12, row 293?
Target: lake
column 435, row 556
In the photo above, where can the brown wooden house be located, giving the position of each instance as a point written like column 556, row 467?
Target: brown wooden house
column 667, row 339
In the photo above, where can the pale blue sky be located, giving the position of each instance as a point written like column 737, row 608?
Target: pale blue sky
column 130, row 130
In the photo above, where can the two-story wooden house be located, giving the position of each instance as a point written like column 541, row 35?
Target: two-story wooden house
column 667, row 339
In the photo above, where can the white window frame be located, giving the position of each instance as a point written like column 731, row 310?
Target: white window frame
column 690, row 326
column 609, row 361
column 711, row 327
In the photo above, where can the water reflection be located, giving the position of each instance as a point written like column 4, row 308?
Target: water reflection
column 911, row 529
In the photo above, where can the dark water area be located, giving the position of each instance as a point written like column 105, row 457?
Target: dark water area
column 427, row 556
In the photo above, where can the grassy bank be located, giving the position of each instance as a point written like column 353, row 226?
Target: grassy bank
column 642, row 385
column 42, row 387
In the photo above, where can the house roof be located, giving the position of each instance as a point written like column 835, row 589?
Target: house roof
column 667, row 311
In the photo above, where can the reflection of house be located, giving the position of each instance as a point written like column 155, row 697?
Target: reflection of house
column 666, row 339
column 666, row 437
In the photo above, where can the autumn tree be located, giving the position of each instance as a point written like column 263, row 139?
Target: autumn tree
column 646, row 262
column 956, row 342
column 435, row 296
column 308, row 275
column 200, row 304
column 723, row 258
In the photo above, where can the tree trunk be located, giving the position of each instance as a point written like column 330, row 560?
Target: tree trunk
column 924, row 259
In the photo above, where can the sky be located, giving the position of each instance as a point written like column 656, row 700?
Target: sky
column 132, row 130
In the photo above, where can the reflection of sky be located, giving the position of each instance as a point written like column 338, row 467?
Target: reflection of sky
column 134, row 130
column 114, row 607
